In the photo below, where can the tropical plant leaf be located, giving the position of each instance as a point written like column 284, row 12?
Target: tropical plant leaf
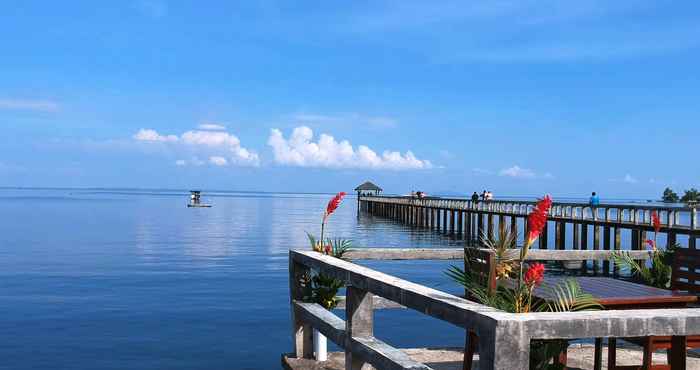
column 339, row 246
column 567, row 296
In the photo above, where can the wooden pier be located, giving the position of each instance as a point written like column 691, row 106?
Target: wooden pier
column 572, row 226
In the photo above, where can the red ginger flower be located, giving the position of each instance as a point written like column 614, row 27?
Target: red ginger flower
column 537, row 220
column 655, row 221
column 652, row 244
column 328, row 249
column 534, row 275
column 334, row 203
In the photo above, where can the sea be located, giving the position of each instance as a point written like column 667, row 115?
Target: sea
column 133, row 279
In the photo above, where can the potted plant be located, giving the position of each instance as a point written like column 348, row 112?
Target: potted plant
column 657, row 273
column 517, row 296
column 318, row 287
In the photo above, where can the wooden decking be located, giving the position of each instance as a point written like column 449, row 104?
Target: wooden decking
column 579, row 357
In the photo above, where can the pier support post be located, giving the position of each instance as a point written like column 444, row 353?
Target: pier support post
column 617, row 246
column 359, row 322
column 504, row 348
column 302, row 334
column 490, row 225
column 606, row 246
column 444, row 221
column 460, row 223
column 596, row 246
column 544, row 235
column 584, row 245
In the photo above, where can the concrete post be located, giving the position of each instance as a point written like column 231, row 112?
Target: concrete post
column 359, row 323
column 302, row 334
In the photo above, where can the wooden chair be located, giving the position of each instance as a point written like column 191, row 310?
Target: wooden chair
column 482, row 264
column 684, row 277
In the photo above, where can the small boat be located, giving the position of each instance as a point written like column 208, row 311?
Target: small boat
column 196, row 200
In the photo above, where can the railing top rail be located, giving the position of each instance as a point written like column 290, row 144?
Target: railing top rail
column 530, row 202
column 467, row 314
column 432, row 302
column 458, row 254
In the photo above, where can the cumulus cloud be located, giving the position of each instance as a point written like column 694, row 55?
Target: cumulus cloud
column 221, row 147
column 517, row 172
column 153, row 135
column 218, row 161
column 629, row 179
column 32, row 105
column 300, row 150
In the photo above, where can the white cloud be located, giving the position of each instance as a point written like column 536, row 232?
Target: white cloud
column 32, row 105
column 629, row 179
column 518, row 172
column 211, row 127
column 218, row 161
column 300, row 150
column 153, row 135
column 221, row 147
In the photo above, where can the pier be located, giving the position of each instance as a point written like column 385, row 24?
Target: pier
column 572, row 226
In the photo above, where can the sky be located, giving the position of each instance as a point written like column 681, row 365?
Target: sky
column 518, row 97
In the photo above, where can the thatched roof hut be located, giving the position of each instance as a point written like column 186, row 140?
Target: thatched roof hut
column 368, row 188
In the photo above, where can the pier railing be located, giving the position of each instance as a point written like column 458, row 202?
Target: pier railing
column 504, row 338
column 576, row 226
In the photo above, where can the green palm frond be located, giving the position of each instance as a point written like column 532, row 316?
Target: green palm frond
column 312, row 239
column 567, row 296
column 657, row 275
column 503, row 245
column 339, row 246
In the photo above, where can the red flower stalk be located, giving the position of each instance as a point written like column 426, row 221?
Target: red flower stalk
column 537, row 220
column 334, row 203
column 330, row 208
column 534, row 275
column 652, row 244
column 655, row 221
column 328, row 249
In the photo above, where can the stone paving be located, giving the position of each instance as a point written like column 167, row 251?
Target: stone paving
column 580, row 356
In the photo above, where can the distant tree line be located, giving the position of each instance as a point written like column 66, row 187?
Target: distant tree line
column 691, row 195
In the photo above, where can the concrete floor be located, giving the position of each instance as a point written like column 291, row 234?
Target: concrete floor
column 579, row 357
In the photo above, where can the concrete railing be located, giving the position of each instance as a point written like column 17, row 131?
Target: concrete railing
column 504, row 338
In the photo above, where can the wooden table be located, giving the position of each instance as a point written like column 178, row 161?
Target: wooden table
column 615, row 294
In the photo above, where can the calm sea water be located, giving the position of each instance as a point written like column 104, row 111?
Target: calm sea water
column 135, row 280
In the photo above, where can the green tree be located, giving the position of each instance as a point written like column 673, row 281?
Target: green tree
column 670, row 196
column 692, row 195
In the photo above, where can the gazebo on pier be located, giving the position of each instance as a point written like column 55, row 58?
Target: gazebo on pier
column 368, row 188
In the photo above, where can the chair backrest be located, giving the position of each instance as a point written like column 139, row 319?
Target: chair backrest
column 685, row 275
column 482, row 264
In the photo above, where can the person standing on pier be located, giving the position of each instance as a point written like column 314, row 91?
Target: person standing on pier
column 594, row 201
column 475, row 198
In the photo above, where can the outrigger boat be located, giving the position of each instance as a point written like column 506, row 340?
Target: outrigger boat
column 196, row 200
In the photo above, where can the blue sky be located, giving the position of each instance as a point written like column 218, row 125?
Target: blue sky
column 519, row 97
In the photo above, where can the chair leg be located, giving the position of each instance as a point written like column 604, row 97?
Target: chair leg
column 598, row 354
column 648, row 353
column 612, row 353
column 679, row 345
column 469, row 348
